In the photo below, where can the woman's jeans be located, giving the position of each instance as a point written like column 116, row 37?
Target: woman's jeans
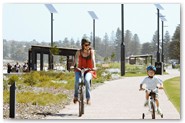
column 88, row 77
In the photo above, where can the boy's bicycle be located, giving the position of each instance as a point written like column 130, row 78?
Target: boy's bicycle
column 81, row 90
column 152, row 103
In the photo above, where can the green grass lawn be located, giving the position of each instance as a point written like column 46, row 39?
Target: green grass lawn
column 172, row 90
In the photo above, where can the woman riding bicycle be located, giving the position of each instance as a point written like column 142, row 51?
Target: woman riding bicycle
column 151, row 83
column 84, row 58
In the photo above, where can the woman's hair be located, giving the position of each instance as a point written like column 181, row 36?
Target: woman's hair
column 85, row 40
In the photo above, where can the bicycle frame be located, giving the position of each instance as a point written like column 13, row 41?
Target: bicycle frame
column 151, row 102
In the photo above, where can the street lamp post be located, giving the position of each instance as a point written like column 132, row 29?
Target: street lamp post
column 162, row 44
column 159, row 7
column 162, row 20
column 94, row 17
column 158, row 64
column 52, row 10
column 122, row 43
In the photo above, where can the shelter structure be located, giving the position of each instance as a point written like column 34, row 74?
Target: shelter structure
column 50, row 51
column 133, row 58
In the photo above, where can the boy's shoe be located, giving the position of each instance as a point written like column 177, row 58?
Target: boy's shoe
column 159, row 111
column 88, row 101
column 75, row 100
column 146, row 103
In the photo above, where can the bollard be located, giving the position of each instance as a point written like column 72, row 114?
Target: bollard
column 159, row 68
column 12, row 101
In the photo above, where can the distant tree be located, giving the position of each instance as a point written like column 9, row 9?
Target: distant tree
column 106, row 59
column 66, row 43
column 91, row 36
column 117, row 43
column 34, row 42
column 112, row 37
column 112, row 57
column 42, row 44
column 166, row 44
column 154, row 43
column 72, row 43
column 128, row 46
column 112, row 46
column 77, row 44
column 13, row 50
column 98, row 46
column 146, row 48
column 135, row 45
column 174, row 48
column 98, row 49
column 176, row 36
column 60, row 43
column 6, row 49
column 106, row 45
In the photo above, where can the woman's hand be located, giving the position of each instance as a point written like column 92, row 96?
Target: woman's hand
column 94, row 69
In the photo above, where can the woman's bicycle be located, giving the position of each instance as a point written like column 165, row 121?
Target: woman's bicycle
column 81, row 90
column 152, row 103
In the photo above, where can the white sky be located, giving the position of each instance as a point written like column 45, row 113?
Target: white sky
column 32, row 21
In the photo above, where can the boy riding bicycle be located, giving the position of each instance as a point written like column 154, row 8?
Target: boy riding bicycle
column 151, row 83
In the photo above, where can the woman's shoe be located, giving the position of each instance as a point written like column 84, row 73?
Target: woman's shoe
column 88, row 101
column 75, row 100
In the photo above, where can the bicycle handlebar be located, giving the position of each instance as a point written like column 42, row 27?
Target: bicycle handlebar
column 149, row 90
column 84, row 69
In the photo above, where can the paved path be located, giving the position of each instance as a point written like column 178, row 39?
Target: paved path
column 120, row 99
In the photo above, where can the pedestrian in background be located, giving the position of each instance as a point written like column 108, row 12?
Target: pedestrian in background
column 9, row 68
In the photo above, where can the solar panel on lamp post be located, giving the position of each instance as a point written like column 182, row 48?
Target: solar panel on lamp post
column 52, row 10
column 94, row 17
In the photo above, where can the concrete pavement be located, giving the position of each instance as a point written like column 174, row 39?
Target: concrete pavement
column 120, row 99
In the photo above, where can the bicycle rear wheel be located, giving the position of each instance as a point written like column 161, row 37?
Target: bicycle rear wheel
column 153, row 110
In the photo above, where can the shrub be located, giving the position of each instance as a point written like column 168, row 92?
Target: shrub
column 5, row 83
column 32, row 78
column 6, row 96
column 13, row 79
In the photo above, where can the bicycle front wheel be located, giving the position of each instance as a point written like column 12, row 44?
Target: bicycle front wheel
column 80, row 109
column 81, row 103
column 153, row 110
column 82, row 100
